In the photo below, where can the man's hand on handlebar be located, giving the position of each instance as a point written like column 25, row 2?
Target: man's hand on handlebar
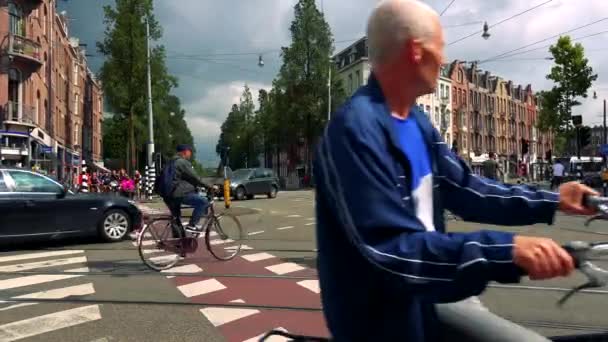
column 571, row 199
column 541, row 258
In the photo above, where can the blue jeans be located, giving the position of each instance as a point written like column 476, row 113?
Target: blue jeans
column 198, row 202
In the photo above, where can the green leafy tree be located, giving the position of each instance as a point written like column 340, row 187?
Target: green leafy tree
column 573, row 77
column 303, row 78
column 123, row 76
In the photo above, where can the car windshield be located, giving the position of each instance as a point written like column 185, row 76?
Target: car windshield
column 241, row 174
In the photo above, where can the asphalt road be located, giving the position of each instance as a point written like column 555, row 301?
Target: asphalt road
column 88, row 291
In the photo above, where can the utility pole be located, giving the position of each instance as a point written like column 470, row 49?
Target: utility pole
column 329, row 93
column 150, row 113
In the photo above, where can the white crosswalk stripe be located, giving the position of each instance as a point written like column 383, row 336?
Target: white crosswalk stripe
column 22, row 314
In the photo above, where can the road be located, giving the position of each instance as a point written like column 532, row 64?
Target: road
column 87, row 291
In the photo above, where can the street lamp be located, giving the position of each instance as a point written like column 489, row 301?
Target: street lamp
column 485, row 35
column 261, row 61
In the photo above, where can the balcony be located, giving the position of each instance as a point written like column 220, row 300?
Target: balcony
column 13, row 113
column 22, row 50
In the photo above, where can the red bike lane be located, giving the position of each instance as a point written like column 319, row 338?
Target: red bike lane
column 252, row 294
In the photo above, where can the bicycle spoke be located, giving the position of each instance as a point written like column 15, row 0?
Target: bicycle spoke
column 157, row 246
column 224, row 237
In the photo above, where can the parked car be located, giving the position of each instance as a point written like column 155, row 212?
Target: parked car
column 35, row 206
column 246, row 183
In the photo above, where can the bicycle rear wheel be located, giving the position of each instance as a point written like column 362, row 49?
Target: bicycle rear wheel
column 158, row 246
column 224, row 237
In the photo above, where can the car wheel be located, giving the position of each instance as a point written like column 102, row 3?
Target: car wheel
column 273, row 192
column 240, row 193
column 114, row 225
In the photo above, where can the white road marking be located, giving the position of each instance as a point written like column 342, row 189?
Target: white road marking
column 47, row 323
column 257, row 257
column 311, row 219
column 41, row 264
column 237, row 301
column 312, row 285
column 258, row 209
column 219, row 242
column 78, row 290
column 274, row 212
column 310, row 224
column 290, row 216
column 33, row 280
column 192, row 268
column 271, row 339
column 243, row 248
column 284, row 228
column 284, row 268
column 38, row 255
column 201, row 287
column 255, row 233
column 145, row 243
column 165, row 258
column 150, row 251
column 78, row 270
column 221, row 316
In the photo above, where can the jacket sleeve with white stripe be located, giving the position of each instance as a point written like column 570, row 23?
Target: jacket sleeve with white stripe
column 359, row 186
column 478, row 199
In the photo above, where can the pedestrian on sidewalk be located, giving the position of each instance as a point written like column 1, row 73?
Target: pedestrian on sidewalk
column 558, row 174
column 491, row 169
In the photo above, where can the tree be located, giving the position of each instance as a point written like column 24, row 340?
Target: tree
column 573, row 78
column 123, row 75
column 303, row 78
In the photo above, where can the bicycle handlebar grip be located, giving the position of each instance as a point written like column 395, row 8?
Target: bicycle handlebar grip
column 577, row 249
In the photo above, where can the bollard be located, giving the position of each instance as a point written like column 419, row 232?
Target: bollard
column 226, row 189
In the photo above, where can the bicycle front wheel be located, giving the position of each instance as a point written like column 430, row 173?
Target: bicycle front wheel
column 224, row 237
column 159, row 245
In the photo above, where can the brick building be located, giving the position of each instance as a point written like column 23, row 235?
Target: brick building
column 50, row 103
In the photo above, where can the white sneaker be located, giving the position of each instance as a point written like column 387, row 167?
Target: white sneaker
column 194, row 229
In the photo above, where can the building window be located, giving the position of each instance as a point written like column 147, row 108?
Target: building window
column 459, row 76
column 76, row 104
column 358, row 76
column 350, row 83
column 44, row 19
column 16, row 22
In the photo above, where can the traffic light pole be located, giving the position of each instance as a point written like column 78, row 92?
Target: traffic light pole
column 578, row 142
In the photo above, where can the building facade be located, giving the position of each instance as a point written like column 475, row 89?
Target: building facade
column 44, row 81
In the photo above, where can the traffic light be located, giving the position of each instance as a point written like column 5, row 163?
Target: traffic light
column 524, row 146
column 584, row 136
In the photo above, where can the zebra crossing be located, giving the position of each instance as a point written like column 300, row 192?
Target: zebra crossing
column 61, row 277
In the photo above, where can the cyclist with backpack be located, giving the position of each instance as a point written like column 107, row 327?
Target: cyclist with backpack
column 178, row 184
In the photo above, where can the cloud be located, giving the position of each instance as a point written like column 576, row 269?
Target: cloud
column 206, row 114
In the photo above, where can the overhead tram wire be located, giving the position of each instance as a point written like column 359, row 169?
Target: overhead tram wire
column 446, row 8
column 542, row 47
column 544, row 40
column 500, row 22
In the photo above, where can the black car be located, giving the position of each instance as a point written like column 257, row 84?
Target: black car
column 35, row 206
column 246, row 183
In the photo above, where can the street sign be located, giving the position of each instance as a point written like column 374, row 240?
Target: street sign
column 604, row 149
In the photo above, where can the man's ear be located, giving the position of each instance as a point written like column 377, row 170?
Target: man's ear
column 416, row 51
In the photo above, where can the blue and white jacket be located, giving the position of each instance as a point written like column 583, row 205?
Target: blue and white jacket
column 380, row 271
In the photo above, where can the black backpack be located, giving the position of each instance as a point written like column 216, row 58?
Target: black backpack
column 163, row 185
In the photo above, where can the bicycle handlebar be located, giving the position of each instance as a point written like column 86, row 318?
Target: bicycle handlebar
column 598, row 203
column 584, row 253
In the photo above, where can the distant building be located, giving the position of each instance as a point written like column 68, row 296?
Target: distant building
column 353, row 66
column 44, row 79
column 475, row 111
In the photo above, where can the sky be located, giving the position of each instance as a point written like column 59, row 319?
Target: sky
column 225, row 38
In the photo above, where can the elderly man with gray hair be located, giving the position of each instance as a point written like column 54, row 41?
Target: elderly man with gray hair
column 386, row 264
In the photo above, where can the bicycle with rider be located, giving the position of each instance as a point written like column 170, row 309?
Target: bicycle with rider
column 185, row 186
column 388, row 269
